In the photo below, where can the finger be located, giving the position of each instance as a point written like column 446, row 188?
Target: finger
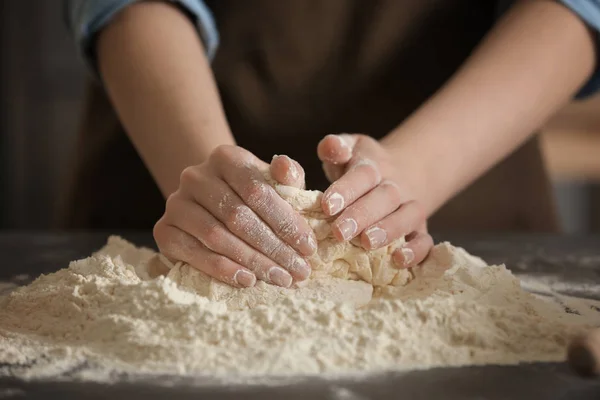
column 360, row 178
column 287, row 171
column 414, row 251
column 193, row 219
column 336, row 149
column 250, row 185
column 178, row 245
column 401, row 222
column 366, row 211
column 332, row 172
column 226, row 206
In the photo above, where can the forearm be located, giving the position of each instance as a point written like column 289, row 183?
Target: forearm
column 531, row 63
column 159, row 80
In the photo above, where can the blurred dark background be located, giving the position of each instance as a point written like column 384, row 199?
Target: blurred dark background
column 41, row 88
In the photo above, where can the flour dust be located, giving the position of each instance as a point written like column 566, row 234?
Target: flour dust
column 122, row 311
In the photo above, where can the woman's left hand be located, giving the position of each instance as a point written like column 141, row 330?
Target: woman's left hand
column 370, row 198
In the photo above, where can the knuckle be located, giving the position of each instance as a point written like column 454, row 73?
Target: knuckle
column 213, row 236
column 229, row 154
column 239, row 217
column 367, row 167
column 189, row 175
column 220, row 265
column 254, row 263
column 171, row 202
column 256, row 194
column 222, row 152
column 372, row 170
column 393, row 190
column 287, row 228
column 277, row 251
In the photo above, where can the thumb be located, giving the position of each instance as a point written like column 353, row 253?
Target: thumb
column 332, row 172
column 336, row 149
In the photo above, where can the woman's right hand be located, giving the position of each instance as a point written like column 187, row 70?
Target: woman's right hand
column 227, row 221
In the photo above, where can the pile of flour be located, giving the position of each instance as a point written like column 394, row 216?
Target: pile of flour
column 129, row 310
column 117, row 312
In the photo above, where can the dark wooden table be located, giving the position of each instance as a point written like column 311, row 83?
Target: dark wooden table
column 571, row 259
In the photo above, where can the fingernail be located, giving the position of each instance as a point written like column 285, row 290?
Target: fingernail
column 301, row 268
column 347, row 228
column 292, row 170
column 376, row 237
column 335, row 203
column 279, row 277
column 343, row 142
column 244, row 278
column 308, row 245
column 292, row 173
column 408, row 255
column 343, row 145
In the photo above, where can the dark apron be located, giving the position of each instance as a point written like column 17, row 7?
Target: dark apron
column 290, row 72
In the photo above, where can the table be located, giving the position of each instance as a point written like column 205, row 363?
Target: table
column 571, row 259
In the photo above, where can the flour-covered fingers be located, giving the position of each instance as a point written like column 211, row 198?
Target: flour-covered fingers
column 401, row 222
column 383, row 200
column 414, row 251
column 258, row 215
column 361, row 177
column 221, row 201
column 195, row 220
column 250, row 186
column 179, row 245
column 287, row 172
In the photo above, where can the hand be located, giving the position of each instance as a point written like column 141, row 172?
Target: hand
column 368, row 194
column 228, row 222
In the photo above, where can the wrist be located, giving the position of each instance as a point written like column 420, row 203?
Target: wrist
column 414, row 168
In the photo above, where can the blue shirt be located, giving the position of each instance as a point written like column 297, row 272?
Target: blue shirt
column 85, row 18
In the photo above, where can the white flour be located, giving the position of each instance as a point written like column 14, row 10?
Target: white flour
column 456, row 311
column 123, row 310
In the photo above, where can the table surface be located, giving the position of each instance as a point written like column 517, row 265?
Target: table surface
column 575, row 260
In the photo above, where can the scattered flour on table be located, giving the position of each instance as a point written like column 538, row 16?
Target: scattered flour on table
column 127, row 310
column 456, row 311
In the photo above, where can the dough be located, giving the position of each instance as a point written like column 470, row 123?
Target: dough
column 347, row 260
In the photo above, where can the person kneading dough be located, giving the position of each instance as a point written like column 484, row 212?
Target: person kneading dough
column 192, row 98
